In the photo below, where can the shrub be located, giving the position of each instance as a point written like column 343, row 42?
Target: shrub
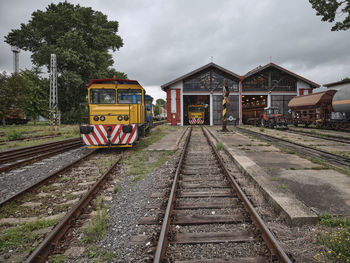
column 219, row 146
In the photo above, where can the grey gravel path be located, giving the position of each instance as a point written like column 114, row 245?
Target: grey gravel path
column 126, row 209
column 15, row 180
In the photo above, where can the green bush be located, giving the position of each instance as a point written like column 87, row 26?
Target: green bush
column 74, row 116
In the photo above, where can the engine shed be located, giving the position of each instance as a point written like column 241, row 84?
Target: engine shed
column 269, row 85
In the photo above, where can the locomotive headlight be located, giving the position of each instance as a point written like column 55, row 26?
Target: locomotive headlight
column 102, row 118
column 120, row 118
column 95, row 118
column 126, row 117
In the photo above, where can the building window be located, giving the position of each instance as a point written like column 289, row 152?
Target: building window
column 209, row 81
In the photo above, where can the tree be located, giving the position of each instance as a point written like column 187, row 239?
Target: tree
column 80, row 37
column 13, row 90
column 330, row 9
column 119, row 75
column 37, row 98
column 161, row 103
column 156, row 110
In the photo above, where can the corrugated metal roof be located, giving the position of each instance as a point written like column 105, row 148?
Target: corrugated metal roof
column 311, row 99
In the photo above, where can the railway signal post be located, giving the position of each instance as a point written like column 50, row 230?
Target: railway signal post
column 53, row 115
column 225, row 103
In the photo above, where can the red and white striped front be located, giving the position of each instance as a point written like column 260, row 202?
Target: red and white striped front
column 99, row 136
column 194, row 121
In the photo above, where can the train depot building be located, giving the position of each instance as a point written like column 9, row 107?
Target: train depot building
column 269, row 85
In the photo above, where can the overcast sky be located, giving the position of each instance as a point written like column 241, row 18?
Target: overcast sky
column 164, row 39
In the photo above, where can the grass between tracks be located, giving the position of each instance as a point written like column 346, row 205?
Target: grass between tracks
column 98, row 225
column 11, row 133
column 140, row 162
column 24, row 238
column 336, row 239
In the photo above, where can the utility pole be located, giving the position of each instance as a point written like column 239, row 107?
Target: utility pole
column 225, row 103
column 54, row 118
column 15, row 51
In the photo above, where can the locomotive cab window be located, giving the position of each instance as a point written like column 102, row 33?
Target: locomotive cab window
column 102, row 96
column 129, row 96
column 196, row 109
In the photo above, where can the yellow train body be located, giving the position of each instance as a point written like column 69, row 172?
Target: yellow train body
column 196, row 114
column 116, row 113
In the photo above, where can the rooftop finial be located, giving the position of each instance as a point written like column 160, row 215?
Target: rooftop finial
column 211, row 59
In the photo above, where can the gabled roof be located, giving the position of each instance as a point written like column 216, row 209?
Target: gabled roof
column 261, row 68
column 344, row 81
column 311, row 99
column 211, row 64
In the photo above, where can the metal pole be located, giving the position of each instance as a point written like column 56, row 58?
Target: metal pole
column 53, row 115
column 225, row 103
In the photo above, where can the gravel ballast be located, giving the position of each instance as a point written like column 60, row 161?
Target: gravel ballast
column 15, row 180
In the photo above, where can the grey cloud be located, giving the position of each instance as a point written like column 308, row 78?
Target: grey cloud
column 166, row 39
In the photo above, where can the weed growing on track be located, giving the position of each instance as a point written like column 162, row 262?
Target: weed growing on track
column 99, row 255
column 336, row 240
column 23, row 238
column 325, row 165
column 219, row 146
column 59, row 258
column 98, row 225
column 103, row 164
column 116, row 189
column 13, row 134
column 288, row 151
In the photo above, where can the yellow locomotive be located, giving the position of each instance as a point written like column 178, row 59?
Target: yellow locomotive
column 116, row 113
column 196, row 114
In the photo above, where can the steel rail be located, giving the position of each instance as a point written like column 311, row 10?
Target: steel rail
column 336, row 160
column 50, row 176
column 322, row 136
column 43, row 250
column 65, row 148
column 159, row 123
column 33, row 138
column 21, row 155
column 163, row 236
column 31, row 148
column 268, row 237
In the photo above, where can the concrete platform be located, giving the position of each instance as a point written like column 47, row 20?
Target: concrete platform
column 170, row 141
column 299, row 189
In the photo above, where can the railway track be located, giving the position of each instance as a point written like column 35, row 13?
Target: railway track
column 322, row 136
column 33, row 138
column 208, row 218
column 335, row 160
column 157, row 123
column 15, row 158
column 44, row 180
column 77, row 187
